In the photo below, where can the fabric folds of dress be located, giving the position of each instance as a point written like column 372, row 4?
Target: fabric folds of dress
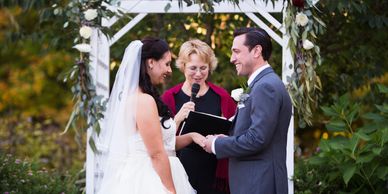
column 138, row 175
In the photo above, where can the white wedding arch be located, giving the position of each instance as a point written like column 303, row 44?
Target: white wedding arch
column 100, row 54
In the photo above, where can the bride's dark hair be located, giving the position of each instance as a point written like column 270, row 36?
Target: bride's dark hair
column 153, row 48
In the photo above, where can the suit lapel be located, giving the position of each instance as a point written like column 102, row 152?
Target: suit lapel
column 257, row 78
column 261, row 74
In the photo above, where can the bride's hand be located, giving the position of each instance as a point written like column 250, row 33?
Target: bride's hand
column 198, row 138
column 168, row 191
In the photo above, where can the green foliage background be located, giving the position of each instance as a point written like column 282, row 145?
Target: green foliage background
column 35, row 49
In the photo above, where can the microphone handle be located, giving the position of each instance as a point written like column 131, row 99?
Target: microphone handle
column 192, row 97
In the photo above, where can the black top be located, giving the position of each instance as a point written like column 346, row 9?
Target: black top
column 208, row 103
column 200, row 166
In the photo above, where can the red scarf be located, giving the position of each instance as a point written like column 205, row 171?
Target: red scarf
column 228, row 108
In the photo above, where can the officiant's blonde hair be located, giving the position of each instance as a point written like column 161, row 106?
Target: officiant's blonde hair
column 200, row 48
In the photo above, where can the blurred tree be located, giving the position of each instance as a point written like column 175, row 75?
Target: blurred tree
column 353, row 47
column 34, row 104
column 354, row 58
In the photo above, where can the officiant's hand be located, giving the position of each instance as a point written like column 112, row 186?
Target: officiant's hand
column 184, row 112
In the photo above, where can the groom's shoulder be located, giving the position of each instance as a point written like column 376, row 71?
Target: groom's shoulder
column 270, row 82
column 271, row 78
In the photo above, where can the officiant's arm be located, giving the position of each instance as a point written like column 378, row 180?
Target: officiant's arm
column 183, row 112
column 186, row 139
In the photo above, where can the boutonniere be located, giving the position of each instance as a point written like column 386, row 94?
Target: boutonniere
column 240, row 95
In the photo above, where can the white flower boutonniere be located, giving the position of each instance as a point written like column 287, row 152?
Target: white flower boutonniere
column 236, row 94
column 240, row 95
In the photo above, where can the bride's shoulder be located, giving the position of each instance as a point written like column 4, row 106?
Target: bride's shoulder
column 146, row 108
column 145, row 100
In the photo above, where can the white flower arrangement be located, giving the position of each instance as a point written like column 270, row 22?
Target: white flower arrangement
column 90, row 14
column 301, row 19
column 307, row 45
column 85, row 32
column 83, row 48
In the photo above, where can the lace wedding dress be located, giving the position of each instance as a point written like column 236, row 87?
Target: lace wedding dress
column 138, row 175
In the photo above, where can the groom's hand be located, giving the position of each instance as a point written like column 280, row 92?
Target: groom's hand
column 221, row 135
column 208, row 143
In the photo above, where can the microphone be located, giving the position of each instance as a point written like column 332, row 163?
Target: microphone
column 194, row 91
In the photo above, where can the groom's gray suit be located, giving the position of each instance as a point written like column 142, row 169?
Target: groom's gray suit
column 257, row 146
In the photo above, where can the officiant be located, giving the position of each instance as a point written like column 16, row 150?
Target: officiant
column 196, row 60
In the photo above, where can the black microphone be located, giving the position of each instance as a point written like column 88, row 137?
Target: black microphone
column 194, row 91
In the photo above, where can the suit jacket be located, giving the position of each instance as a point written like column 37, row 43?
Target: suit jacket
column 257, row 146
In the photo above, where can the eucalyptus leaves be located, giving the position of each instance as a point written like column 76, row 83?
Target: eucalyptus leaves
column 303, row 26
column 83, row 16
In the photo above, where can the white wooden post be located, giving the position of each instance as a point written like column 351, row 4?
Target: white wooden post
column 287, row 70
column 99, row 69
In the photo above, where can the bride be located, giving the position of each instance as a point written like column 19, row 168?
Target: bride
column 137, row 145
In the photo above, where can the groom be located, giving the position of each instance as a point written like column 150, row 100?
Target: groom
column 257, row 146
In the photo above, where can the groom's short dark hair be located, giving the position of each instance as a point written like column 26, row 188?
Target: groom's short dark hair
column 256, row 36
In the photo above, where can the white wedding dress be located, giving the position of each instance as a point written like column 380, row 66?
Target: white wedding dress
column 138, row 175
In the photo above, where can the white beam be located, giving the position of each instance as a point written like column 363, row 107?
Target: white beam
column 126, row 28
column 99, row 69
column 108, row 22
column 263, row 12
column 158, row 6
column 103, row 59
column 260, row 23
column 90, row 160
column 287, row 70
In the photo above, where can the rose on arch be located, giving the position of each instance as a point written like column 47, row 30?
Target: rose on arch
column 85, row 32
column 301, row 19
column 307, row 45
column 90, row 14
column 298, row 3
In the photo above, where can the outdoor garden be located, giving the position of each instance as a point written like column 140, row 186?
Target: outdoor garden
column 339, row 86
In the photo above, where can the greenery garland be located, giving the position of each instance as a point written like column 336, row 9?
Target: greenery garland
column 303, row 26
column 301, row 22
column 88, row 106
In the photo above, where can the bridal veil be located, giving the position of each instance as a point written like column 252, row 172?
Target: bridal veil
column 120, row 118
